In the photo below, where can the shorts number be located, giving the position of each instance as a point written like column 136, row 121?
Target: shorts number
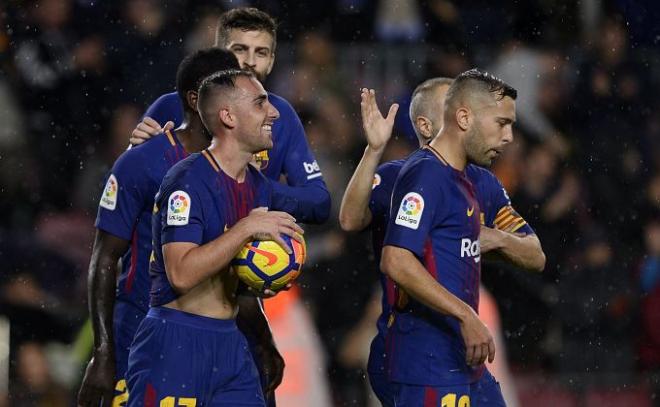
column 120, row 399
column 183, row 402
column 449, row 400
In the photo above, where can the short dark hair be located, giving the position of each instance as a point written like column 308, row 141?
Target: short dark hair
column 245, row 19
column 199, row 65
column 218, row 81
column 482, row 80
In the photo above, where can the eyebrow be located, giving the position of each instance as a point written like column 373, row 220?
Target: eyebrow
column 260, row 98
column 239, row 44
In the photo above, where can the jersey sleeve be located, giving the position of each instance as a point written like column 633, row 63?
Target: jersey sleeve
column 504, row 216
column 306, row 196
column 182, row 212
column 124, row 196
column 166, row 108
column 415, row 201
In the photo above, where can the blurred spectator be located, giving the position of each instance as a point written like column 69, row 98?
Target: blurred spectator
column 595, row 309
column 649, row 288
column 34, row 385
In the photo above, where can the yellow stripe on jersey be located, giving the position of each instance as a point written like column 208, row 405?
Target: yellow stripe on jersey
column 508, row 220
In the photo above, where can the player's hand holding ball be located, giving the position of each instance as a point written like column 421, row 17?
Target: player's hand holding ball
column 274, row 258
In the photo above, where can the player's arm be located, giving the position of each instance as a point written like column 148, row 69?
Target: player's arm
column 121, row 203
column 99, row 380
column 165, row 110
column 511, row 238
column 409, row 273
column 354, row 213
column 305, row 196
column 524, row 251
column 188, row 264
column 251, row 320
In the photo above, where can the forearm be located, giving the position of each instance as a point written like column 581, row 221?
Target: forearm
column 404, row 268
column 308, row 203
column 522, row 251
column 101, row 286
column 188, row 265
column 354, row 213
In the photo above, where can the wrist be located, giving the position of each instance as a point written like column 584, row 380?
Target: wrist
column 376, row 153
column 464, row 312
column 243, row 230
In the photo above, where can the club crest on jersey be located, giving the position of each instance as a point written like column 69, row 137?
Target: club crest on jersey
column 377, row 180
column 109, row 197
column 262, row 159
column 178, row 208
column 410, row 211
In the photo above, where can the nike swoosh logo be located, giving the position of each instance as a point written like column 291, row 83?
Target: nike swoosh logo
column 470, row 211
column 272, row 258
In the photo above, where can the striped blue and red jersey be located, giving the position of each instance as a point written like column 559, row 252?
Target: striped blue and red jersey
column 305, row 195
column 497, row 212
column 436, row 213
column 196, row 203
column 126, row 206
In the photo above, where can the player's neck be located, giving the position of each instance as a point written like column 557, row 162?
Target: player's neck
column 193, row 135
column 231, row 159
column 450, row 149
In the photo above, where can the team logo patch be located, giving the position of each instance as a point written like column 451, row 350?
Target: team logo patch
column 377, row 180
column 410, row 211
column 262, row 159
column 178, row 208
column 109, row 197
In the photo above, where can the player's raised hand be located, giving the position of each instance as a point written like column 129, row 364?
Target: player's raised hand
column 378, row 129
column 479, row 344
column 146, row 129
column 98, row 385
column 270, row 225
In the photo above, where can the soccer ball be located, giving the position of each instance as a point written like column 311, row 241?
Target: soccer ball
column 263, row 264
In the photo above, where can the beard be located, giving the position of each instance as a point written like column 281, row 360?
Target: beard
column 476, row 149
column 261, row 76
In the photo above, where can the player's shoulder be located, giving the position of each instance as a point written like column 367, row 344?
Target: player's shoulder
column 390, row 167
column 283, row 106
column 185, row 172
column 423, row 160
column 167, row 98
column 141, row 156
column 479, row 175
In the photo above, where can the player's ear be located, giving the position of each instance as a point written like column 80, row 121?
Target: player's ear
column 425, row 126
column 463, row 118
column 191, row 98
column 227, row 118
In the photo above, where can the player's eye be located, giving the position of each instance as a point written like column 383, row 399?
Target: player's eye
column 238, row 49
column 263, row 53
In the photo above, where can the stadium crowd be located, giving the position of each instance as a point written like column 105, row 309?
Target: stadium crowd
column 584, row 169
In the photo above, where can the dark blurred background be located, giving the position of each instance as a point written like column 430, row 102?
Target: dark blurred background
column 584, row 170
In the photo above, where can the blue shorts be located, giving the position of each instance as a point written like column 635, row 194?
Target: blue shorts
column 126, row 320
column 483, row 393
column 377, row 372
column 182, row 359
